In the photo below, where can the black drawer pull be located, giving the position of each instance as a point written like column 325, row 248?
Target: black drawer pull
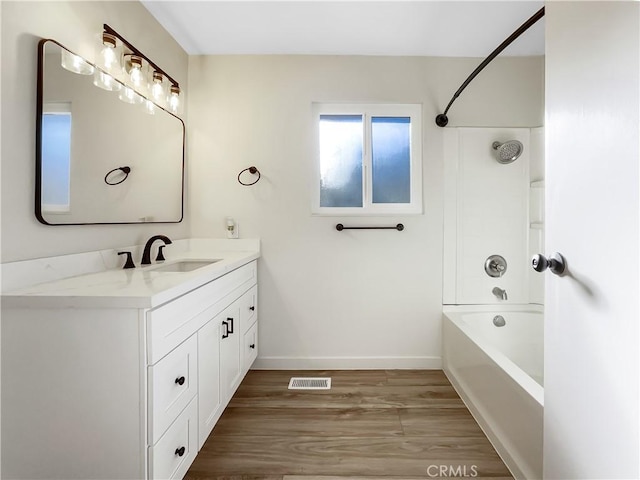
column 180, row 380
column 225, row 325
column 252, row 308
column 231, row 322
column 180, row 451
column 253, row 345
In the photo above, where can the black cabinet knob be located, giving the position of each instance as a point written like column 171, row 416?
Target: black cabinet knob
column 253, row 345
column 180, row 380
column 180, row 451
column 252, row 308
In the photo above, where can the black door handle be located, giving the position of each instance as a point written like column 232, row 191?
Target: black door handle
column 180, row 381
column 230, row 319
column 180, row 451
column 252, row 308
column 253, row 345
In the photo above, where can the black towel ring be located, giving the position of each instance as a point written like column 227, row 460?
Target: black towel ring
column 252, row 170
column 125, row 170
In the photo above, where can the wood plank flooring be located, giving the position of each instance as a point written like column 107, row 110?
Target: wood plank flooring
column 372, row 424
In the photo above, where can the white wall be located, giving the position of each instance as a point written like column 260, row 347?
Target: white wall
column 77, row 25
column 336, row 299
column 592, row 332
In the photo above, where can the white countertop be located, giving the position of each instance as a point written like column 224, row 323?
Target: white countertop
column 132, row 288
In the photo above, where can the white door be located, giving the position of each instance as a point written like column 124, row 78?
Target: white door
column 592, row 346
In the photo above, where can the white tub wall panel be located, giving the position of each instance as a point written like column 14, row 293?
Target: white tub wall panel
column 451, row 144
column 510, row 417
column 492, row 216
column 536, row 154
column 536, row 212
column 68, row 351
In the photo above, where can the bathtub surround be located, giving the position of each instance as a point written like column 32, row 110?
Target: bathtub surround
column 356, row 298
column 77, row 25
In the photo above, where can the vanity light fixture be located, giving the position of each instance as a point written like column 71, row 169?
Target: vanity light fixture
column 106, row 82
column 135, row 71
column 157, row 87
column 129, row 95
column 135, row 65
column 76, row 64
column 174, row 99
column 108, row 59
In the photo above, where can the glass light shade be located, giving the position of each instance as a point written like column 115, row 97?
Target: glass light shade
column 174, row 101
column 149, row 107
column 128, row 95
column 105, row 81
column 75, row 63
column 135, row 71
column 109, row 58
column 157, row 88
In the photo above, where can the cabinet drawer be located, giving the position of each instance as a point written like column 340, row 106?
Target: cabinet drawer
column 174, row 453
column 175, row 321
column 248, row 308
column 173, row 382
column 249, row 348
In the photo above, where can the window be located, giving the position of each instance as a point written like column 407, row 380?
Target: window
column 368, row 159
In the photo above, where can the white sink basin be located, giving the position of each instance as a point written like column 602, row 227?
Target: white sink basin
column 184, row 265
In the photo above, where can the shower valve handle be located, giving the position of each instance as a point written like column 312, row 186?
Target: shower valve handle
column 555, row 263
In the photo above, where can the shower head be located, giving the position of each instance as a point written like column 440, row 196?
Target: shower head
column 508, row 152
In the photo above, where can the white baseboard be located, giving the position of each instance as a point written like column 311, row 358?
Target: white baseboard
column 347, row 363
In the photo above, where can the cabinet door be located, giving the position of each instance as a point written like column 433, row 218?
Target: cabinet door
column 209, row 395
column 249, row 348
column 229, row 350
column 248, row 308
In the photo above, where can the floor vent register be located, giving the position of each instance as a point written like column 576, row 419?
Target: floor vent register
column 310, row 383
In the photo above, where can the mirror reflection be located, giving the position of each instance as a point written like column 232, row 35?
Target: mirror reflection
column 101, row 159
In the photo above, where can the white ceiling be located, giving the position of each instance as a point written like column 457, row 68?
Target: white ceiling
column 356, row 27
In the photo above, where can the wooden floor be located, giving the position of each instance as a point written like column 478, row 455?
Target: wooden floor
column 404, row 424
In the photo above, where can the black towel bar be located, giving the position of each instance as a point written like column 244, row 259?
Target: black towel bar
column 399, row 227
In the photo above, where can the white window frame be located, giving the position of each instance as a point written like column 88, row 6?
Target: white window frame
column 414, row 112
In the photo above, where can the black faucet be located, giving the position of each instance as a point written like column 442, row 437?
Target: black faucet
column 146, row 255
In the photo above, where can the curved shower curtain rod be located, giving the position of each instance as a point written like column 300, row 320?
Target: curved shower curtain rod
column 442, row 119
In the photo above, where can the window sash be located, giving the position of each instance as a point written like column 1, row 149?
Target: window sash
column 368, row 111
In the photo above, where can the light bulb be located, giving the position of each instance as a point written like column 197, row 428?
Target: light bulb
column 75, row 63
column 106, row 82
column 174, row 99
column 108, row 56
column 157, row 89
column 135, row 74
column 149, row 107
column 128, row 95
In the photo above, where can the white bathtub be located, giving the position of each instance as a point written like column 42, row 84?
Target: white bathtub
column 498, row 372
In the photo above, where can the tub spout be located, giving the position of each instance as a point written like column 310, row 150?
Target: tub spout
column 499, row 293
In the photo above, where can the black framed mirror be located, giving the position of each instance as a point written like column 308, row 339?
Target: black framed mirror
column 100, row 160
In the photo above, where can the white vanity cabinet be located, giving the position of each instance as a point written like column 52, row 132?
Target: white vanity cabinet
column 122, row 392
